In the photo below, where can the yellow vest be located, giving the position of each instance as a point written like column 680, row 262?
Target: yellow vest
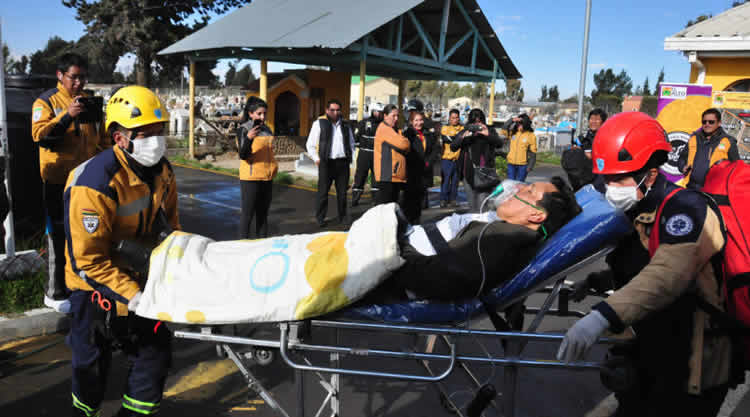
column 450, row 131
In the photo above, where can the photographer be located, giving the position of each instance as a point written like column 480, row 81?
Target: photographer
column 478, row 144
column 67, row 124
column 576, row 161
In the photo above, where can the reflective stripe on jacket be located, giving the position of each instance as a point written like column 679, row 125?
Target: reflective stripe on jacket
column 105, row 202
column 63, row 148
column 389, row 160
column 451, row 132
column 260, row 164
column 519, row 145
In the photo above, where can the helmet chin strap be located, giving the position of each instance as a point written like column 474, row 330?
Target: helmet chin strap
column 642, row 181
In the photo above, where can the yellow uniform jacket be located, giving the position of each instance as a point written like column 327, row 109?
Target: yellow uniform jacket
column 62, row 145
column 105, row 202
column 260, row 163
column 519, row 145
column 451, row 132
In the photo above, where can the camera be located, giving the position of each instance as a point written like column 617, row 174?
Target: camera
column 474, row 128
column 257, row 122
column 92, row 109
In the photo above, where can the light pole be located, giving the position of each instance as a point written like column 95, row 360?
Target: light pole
column 584, row 59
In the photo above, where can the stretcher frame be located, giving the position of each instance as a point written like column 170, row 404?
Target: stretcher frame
column 293, row 337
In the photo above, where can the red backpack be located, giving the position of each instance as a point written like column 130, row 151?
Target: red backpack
column 728, row 183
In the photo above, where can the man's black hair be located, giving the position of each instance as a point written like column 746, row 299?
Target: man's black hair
column 389, row 108
column 561, row 206
column 251, row 105
column 599, row 112
column 476, row 115
column 69, row 60
column 713, row 111
column 333, row 101
column 454, row 111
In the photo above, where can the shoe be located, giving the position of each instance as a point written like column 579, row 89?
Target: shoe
column 322, row 223
column 61, row 306
column 453, row 204
column 443, row 204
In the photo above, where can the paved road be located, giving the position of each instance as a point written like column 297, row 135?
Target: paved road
column 202, row 384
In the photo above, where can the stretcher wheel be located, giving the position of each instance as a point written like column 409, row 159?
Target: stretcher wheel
column 447, row 404
column 263, row 357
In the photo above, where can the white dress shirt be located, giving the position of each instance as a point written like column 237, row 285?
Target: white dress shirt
column 449, row 227
column 337, row 147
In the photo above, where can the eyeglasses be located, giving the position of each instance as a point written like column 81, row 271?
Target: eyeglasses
column 81, row 78
column 709, row 122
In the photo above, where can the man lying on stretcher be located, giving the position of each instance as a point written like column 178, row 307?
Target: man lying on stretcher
column 193, row 279
column 466, row 254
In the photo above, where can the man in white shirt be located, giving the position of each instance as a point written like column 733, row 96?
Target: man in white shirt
column 331, row 145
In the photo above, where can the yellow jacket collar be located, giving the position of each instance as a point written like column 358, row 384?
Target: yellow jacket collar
column 64, row 91
column 132, row 178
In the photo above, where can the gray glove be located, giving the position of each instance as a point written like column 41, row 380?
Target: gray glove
column 579, row 338
column 133, row 303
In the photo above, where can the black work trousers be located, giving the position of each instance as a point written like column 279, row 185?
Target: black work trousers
column 364, row 168
column 388, row 192
column 93, row 338
column 330, row 170
column 256, row 200
column 53, row 206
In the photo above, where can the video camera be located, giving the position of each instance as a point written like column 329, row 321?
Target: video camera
column 92, row 109
column 474, row 127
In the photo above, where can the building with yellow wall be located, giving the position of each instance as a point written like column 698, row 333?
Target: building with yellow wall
column 718, row 50
column 297, row 97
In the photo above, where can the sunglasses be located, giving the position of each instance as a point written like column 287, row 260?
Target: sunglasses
column 709, row 122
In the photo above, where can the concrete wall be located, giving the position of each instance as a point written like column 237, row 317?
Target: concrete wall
column 722, row 72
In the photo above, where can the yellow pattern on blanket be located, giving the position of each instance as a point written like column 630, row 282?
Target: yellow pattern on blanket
column 193, row 279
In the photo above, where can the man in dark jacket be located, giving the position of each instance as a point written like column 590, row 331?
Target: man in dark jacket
column 365, row 140
column 576, row 161
column 708, row 145
column 448, row 260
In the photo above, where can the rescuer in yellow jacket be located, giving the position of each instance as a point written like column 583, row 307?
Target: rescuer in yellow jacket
column 522, row 154
column 120, row 194
column 448, row 165
column 67, row 134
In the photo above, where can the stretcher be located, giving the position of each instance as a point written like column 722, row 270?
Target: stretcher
column 437, row 327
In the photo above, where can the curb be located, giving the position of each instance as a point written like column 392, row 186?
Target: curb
column 37, row 322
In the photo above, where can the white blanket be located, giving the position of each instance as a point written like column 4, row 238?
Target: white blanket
column 193, row 279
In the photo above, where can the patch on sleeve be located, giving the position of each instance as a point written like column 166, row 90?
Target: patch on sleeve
column 679, row 225
column 37, row 115
column 682, row 219
column 90, row 219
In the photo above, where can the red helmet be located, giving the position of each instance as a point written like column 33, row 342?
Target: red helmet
column 625, row 143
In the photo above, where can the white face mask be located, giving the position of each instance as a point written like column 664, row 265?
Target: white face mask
column 623, row 198
column 149, row 151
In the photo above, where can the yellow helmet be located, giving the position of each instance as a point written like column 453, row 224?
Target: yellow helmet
column 135, row 106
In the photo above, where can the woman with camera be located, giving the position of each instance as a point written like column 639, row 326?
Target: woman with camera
column 420, row 161
column 476, row 164
column 258, row 166
column 522, row 154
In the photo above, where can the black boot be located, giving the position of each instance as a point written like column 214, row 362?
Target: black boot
column 356, row 195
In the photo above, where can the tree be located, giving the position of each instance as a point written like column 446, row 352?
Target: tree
column 554, row 94
column 44, row 61
column 229, row 76
column 544, row 93
column 513, row 90
column 101, row 55
column 465, row 91
column 659, row 81
column 646, row 89
column 244, row 76
column 146, row 28
column 607, row 83
column 12, row 66
column 571, row 99
column 698, row 20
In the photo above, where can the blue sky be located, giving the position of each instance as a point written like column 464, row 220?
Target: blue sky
column 544, row 38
